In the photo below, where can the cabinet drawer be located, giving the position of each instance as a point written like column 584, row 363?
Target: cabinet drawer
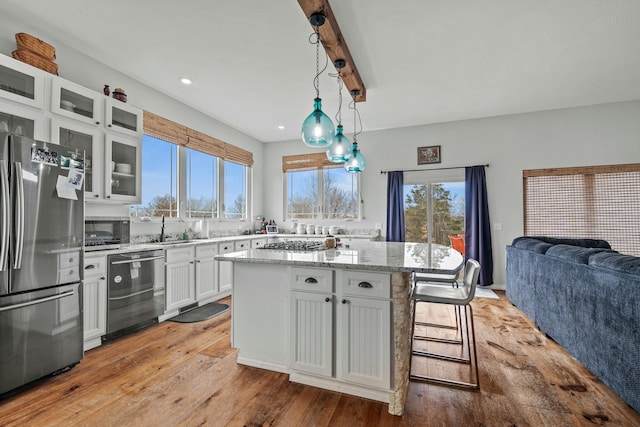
column 69, row 259
column 360, row 283
column 95, row 267
column 225, row 247
column 180, row 254
column 242, row 245
column 206, row 251
column 68, row 275
column 257, row 243
column 311, row 279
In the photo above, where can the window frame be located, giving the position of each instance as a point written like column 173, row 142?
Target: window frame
column 319, row 214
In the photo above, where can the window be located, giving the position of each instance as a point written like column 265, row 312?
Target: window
column 159, row 179
column 434, row 206
column 235, row 190
column 189, row 174
column 600, row 202
column 202, row 185
column 316, row 188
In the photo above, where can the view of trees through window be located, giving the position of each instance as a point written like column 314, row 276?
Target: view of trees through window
column 162, row 178
column 433, row 209
column 338, row 195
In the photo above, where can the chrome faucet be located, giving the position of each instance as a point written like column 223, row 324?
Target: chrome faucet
column 162, row 230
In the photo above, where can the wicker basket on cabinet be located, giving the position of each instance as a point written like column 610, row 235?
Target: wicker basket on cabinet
column 28, row 42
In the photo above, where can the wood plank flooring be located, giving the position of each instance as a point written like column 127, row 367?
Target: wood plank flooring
column 175, row 374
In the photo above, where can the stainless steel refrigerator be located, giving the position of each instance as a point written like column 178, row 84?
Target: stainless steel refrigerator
column 41, row 238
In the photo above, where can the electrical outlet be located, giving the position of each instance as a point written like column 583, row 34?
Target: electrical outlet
column 378, row 226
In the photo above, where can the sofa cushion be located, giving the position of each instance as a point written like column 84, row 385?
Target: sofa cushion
column 585, row 243
column 531, row 244
column 614, row 261
column 577, row 254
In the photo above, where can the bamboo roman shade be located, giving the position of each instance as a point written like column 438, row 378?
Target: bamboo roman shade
column 601, row 202
column 170, row 131
column 306, row 161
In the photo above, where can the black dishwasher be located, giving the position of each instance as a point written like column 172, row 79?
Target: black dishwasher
column 135, row 294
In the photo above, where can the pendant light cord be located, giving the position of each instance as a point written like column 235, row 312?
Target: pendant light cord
column 316, row 79
column 338, row 115
column 357, row 120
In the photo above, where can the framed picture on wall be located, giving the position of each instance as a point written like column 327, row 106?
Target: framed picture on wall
column 428, row 155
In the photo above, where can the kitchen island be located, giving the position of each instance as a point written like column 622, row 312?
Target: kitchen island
column 338, row 319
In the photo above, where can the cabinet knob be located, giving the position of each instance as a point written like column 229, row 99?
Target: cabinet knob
column 109, row 125
column 310, row 280
column 97, row 123
column 103, row 278
column 191, row 262
column 108, row 197
column 327, row 299
column 96, row 195
column 344, row 301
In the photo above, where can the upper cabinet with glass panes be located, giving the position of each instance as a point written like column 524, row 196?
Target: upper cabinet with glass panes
column 21, row 83
column 76, row 102
column 123, row 118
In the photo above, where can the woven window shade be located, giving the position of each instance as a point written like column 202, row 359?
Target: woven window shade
column 170, row 131
column 306, row 161
column 601, row 202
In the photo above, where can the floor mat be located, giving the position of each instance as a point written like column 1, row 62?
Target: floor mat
column 485, row 293
column 201, row 313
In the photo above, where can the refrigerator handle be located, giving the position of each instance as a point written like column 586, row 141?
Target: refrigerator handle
column 18, row 217
column 4, row 215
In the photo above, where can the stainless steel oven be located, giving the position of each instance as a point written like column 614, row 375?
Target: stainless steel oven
column 135, row 294
column 102, row 233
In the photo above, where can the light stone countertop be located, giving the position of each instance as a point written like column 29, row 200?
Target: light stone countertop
column 373, row 256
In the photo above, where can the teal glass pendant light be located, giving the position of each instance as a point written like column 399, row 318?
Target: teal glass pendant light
column 340, row 148
column 355, row 160
column 317, row 128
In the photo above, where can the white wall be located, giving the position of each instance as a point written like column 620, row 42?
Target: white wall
column 92, row 74
column 595, row 135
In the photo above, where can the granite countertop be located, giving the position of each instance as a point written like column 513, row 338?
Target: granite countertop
column 374, row 256
column 179, row 243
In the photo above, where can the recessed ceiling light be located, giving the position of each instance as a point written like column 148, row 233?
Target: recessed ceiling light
column 280, row 127
column 185, row 81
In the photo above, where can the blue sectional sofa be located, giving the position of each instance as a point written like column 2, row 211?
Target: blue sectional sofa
column 587, row 298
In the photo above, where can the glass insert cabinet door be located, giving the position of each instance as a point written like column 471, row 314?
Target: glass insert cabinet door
column 83, row 143
column 21, row 83
column 76, row 102
column 123, row 118
column 20, row 121
column 122, row 168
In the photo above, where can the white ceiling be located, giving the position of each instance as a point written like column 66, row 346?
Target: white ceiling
column 422, row 61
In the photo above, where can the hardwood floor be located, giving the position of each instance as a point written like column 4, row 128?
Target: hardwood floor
column 186, row 374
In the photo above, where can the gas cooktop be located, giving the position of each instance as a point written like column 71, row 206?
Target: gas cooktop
column 296, row 245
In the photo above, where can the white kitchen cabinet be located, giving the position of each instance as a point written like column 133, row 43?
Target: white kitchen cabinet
column 20, row 120
column 312, row 333
column 123, row 118
column 180, row 278
column 225, row 268
column 21, row 83
column 206, row 277
column 258, row 243
column 123, row 169
column 94, row 299
column 84, row 142
column 359, row 328
column 76, row 102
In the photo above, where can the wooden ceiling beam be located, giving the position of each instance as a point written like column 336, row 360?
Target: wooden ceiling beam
column 335, row 45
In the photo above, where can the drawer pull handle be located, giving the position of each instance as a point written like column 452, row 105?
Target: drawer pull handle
column 365, row 285
column 310, row 280
column 90, row 266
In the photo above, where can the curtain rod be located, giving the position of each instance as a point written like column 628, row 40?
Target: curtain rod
column 433, row 169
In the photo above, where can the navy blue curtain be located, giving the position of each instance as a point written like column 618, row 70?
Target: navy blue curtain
column 477, row 225
column 395, row 207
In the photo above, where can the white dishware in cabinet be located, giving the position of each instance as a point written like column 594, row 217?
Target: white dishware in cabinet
column 122, row 186
column 22, row 121
column 77, row 102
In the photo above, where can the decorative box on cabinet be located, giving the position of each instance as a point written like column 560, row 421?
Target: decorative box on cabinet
column 94, row 298
column 180, row 278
